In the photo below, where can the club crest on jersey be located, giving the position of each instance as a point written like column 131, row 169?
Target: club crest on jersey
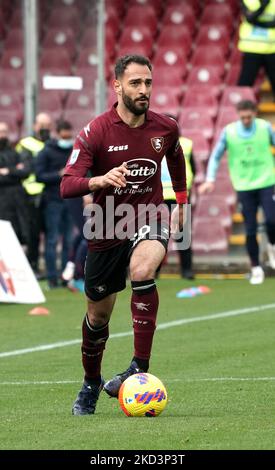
column 157, row 143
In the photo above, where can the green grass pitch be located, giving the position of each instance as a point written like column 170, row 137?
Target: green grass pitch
column 219, row 373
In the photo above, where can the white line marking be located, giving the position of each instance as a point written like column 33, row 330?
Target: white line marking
column 161, row 326
column 209, row 379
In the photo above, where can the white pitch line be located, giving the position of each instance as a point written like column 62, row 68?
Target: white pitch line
column 209, row 379
column 161, row 326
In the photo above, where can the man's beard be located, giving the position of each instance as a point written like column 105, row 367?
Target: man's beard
column 133, row 106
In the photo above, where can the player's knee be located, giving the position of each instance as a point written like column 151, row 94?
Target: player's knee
column 97, row 317
column 142, row 273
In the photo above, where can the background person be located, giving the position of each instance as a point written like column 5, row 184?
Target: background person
column 251, row 166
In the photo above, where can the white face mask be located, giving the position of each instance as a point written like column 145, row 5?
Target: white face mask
column 65, row 143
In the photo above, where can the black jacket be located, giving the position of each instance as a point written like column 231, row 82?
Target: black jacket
column 12, row 194
column 49, row 163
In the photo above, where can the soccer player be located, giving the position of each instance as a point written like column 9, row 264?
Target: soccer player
column 123, row 149
column 251, row 166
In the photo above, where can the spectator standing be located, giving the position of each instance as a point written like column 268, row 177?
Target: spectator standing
column 13, row 169
column 49, row 170
column 34, row 144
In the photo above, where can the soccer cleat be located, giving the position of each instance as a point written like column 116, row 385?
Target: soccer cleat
column 271, row 255
column 112, row 386
column 257, row 275
column 86, row 400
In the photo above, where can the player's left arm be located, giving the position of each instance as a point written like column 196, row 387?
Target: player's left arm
column 176, row 166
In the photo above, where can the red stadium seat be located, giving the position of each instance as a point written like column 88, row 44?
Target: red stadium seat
column 77, row 119
column 174, row 57
column 16, row 19
column 64, row 16
column 50, row 59
column 165, row 100
column 50, row 101
column 207, row 76
column 88, row 74
column 13, row 59
column 137, row 36
column 195, row 4
column 226, row 116
column 208, row 55
column 196, row 97
column 173, row 35
column 83, row 100
column 13, row 119
column 234, row 94
column 224, row 188
column 140, row 49
column 209, row 237
column 201, row 147
column 60, row 38
column 235, row 57
column 10, row 100
column 183, row 15
column 233, row 4
column 141, row 15
column 156, row 4
column 196, row 119
column 14, row 39
column 232, row 76
column 216, row 35
column 218, row 14
column 13, row 80
column 117, row 5
column 162, row 77
column 214, row 207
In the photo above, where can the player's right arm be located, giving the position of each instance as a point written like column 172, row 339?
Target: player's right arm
column 213, row 165
column 75, row 182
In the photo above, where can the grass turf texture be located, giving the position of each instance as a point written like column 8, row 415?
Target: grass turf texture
column 201, row 414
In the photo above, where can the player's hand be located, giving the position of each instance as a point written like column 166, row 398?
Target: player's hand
column 115, row 177
column 178, row 218
column 206, row 187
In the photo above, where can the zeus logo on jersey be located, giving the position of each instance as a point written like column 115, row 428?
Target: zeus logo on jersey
column 117, row 148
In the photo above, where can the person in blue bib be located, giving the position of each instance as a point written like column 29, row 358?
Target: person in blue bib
column 248, row 142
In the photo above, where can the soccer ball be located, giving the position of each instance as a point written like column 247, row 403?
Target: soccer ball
column 142, row 395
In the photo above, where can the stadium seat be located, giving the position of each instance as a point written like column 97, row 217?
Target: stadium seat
column 83, row 100
column 14, row 39
column 140, row 49
column 162, row 77
column 50, row 100
column 173, row 35
column 156, row 4
column 214, row 207
column 232, row 76
column 234, row 94
column 16, row 19
column 181, row 14
column 208, row 55
column 10, row 100
column 12, row 81
column 174, row 57
column 118, row 5
column 165, row 100
column 207, row 76
column 201, row 148
column 224, row 188
column 77, row 119
column 196, row 96
column 217, row 35
column 209, row 238
column 195, row 4
column 218, row 14
column 64, row 16
column 88, row 74
column 137, row 36
column 233, row 4
column 227, row 114
column 141, row 16
column 49, row 58
column 60, row 38
column 235, row 58
column 196, row 119
column 13, row 118
column 13, row 60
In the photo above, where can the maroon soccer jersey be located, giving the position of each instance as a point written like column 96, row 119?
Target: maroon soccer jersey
column 107, row 142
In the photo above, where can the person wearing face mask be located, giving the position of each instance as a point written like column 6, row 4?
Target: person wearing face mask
column 13, row 169
column 33, row 144
column 50, row 164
